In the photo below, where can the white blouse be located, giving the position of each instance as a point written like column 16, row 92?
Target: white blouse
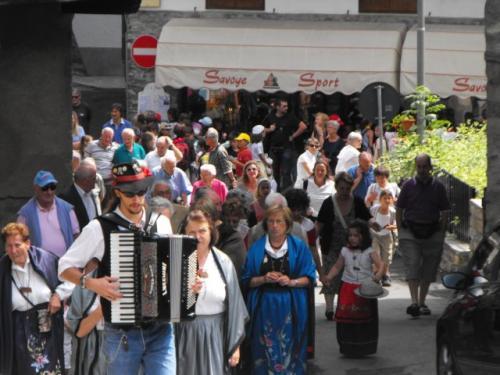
column 40, row 292
column 213, row 292
column 357, row 265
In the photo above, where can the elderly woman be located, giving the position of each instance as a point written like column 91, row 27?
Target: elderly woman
column 31, row 295
column 335, row 214
column 209, row 344
column 348, row 156
column 333, row 144
column 207, row 178
column 278, row 272
column 306, row 161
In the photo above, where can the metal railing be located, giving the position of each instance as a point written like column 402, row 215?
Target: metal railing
column 459, row 195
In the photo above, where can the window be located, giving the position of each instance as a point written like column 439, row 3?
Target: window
column 236, row 4
column 387, row 6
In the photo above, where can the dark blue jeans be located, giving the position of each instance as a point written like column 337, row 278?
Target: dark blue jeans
column 152, row 348
column 284, row 167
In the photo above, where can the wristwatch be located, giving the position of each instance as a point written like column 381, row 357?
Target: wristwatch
column 83, row 280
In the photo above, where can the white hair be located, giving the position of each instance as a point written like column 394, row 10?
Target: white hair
column 107, row 130
column 275, row 199
column 210, row 168
column 354, row 136
column 161, row 140
column 128, row 131
column 168, row 157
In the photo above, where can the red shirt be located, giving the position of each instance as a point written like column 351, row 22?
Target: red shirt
column 244, row 155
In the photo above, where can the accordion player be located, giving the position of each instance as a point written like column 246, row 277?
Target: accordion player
column 155, row 276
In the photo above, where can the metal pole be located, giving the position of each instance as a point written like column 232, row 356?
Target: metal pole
column 380, row 119
column 420, row 68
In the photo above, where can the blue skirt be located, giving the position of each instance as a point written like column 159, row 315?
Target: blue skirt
column 277, row 344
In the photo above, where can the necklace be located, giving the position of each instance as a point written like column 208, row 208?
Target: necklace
column 24, row 289
column 202, row 273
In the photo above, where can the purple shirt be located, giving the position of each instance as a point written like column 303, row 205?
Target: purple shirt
column 423, row 202
column 52, row 236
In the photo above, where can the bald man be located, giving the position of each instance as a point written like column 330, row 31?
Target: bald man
column 362, row 175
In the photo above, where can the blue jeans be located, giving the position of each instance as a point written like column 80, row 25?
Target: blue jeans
column 152, row 348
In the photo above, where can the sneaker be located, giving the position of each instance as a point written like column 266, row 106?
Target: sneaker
column 413, row 310
column 386, row 281
column 329, row 315
column 424, row 310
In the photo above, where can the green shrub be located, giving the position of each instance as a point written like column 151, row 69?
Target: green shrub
column 464, row 156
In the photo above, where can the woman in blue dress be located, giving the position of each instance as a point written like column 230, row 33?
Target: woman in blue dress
column 278, row 272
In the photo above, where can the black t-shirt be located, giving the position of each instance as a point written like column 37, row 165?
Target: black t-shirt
column 286, row 125
column 332, row 150
column 83, row 112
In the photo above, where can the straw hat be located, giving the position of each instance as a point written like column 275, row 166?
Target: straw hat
column 371, row 289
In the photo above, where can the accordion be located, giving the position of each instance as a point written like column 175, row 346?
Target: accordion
column 155, row 275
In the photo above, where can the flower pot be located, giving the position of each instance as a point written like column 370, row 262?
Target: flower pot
column 407, row 124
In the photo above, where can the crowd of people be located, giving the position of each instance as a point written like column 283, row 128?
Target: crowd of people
column 271, row 223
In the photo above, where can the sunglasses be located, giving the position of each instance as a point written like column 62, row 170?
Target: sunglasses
column 49, row 186
column 130, row 194
column 314, row 146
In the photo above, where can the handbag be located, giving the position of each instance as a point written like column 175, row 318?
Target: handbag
column 422, row 230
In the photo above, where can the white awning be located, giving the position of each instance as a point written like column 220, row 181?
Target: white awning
column 453, row 61
column 278, row 55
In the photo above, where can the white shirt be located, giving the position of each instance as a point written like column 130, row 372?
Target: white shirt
column 154, row 160
column 213, row 292
column 318, row 194
column 308, row 159
column 276, row 253
column 348, row 157
column 357, row 265
column 89, row 201
column 40, row 292
column 383, row 219
column 257, row 150
column 374, row 187
column 90, row 243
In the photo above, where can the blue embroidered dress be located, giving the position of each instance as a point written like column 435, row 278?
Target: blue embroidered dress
column 278, row 315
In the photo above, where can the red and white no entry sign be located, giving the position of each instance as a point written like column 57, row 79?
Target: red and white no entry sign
column 144, row 51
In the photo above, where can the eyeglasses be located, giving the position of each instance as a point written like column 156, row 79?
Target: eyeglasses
column 130, row 194
column 49, row 186
column 314, row 146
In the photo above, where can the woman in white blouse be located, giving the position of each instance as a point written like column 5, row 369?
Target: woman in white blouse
column 306, row 161
column 319, row 186
column 31, row 295
column 209, row 344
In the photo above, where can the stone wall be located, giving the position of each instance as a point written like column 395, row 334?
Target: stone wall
column 151, row 22
column 35, row 110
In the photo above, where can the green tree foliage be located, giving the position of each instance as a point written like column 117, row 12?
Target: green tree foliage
column 463, row 156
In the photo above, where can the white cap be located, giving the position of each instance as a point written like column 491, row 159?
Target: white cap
column 206, row 121
column 257, row 129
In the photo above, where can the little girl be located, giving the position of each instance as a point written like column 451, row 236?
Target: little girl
column 357, row 317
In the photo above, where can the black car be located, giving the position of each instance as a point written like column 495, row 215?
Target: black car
column 468, row 332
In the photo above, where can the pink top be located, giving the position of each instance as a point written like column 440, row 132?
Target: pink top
column 52, row 236
column 218, row 186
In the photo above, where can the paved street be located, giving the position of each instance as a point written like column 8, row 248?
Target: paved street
column 406, row 346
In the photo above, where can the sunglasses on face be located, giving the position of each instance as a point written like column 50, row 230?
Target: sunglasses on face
column 314, row 146
column 49, row 186
column 130, row 194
